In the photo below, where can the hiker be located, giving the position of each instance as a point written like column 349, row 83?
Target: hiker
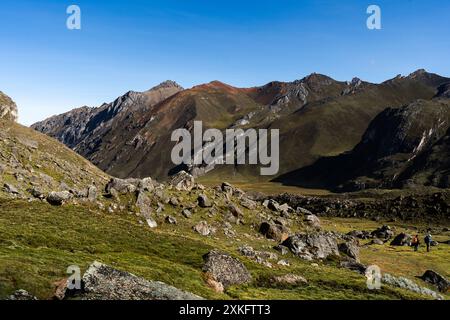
column 415, row 242
column 428, row 240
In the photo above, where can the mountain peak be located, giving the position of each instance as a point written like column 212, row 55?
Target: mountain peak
column 167, row 84
column 417, row 73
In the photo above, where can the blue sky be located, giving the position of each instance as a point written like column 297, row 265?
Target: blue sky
column 135, row 44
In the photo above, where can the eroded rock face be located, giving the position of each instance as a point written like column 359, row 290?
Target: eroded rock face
column 225, row 269
column 8, row 109
column 102, row 282
column 312, row 246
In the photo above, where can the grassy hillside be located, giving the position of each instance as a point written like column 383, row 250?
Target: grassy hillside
column 38, row 242
column 29, row 158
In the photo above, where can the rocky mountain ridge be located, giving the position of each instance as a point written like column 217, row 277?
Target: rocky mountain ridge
column 312, row 114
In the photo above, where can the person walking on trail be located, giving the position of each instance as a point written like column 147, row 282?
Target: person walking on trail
column 428, row 239
column 415, row 242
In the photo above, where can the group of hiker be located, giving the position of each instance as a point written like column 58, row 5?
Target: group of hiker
column 415, row 242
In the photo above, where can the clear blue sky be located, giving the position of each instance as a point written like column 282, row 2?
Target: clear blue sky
column 135, row 44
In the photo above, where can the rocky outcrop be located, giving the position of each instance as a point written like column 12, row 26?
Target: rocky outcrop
column 225, row 269
column 102, row 282
column 8, row 109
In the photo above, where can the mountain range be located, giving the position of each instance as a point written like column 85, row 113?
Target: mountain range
column 333, row 134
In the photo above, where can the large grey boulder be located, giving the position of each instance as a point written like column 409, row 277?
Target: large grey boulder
column 102, row 282
column 401, row 239
column 225, row 269
column 58, row 198
column 274, row 231
column 350, row 249
column 436, row 279
column 312, row 246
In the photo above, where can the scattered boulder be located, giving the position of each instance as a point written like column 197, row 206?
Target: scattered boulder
column 235, row 211
column 303, row 211
column 182, row 181
column 227, row 188
column 144, row 204
column 247, row 203
column 151, row 222
column 360, row 234
column 146, row 184
column 281, row 249
column 353, row 265
column 260, row 257
column 9, row 188
column 174, row 201
column 288, row 280
column 350, row 249
column 274, row 231
column 122, row 186
column 203, row 201
column 376, row 241
column 186, row 213
column 436, row 279
column 384, row 232
column 401, row 239
column 22, row 295
column 36, row 193
column 58, row 198
column 312, row 246
column 171, row 220
column 313, row 221
column 213, row 284
column 225, row 269
column 102, row 282
column 92, row 193
column 203, row 228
